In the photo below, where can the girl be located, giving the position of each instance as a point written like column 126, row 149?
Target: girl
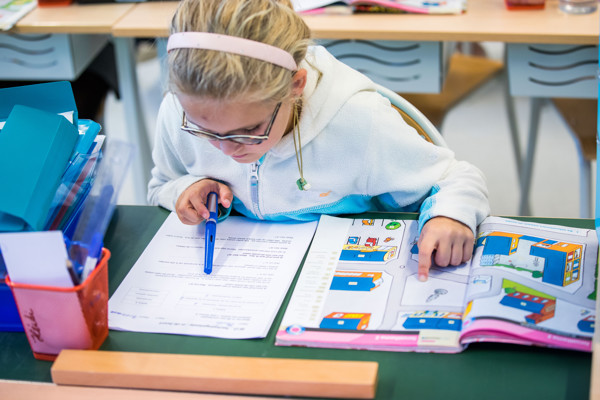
column 282, row 130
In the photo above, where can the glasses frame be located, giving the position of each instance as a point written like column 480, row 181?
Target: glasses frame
column 241, row 139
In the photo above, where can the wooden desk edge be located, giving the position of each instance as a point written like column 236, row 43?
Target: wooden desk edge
column 19, row 390
column 80, row 19
column 151, row 20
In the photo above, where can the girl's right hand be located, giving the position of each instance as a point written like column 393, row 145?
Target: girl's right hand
column 191, row 204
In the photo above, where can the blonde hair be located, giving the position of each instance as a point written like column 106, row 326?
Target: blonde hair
column 222, row 75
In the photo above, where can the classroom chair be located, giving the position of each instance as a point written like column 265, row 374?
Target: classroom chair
column 413, row 117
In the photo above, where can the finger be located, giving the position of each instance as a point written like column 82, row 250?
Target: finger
column 225, row 196
column 198, row 203
column 425, row 259
column 443, row 255
column 188, row 215
column 425, row 262
column 456, row 257
column 467, row 250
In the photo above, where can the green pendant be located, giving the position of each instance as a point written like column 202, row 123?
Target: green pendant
column 302, row 184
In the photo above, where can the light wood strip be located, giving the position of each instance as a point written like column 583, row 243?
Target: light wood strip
column 217, row 374
column 20, row 390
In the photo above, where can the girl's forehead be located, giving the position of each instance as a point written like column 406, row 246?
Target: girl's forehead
column 196, row 101
column 224, row 116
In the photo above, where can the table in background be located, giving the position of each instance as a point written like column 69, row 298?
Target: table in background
column 483, row 371
column 485, row 20
column 75, row 19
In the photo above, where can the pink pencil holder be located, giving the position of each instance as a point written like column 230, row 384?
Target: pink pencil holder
column 57, row 318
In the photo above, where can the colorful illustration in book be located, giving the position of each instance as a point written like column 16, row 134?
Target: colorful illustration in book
column 432, row 320
column 554, row 262
column 359, row 248
column 369, row 244
column 587, row 324
column 368, row 253
column 371, row 247
column 356, row 280
column 526, row 283
column 541, row 305
column 341, row 320
column 441, row 289
column 349, row 292
column 436, row 293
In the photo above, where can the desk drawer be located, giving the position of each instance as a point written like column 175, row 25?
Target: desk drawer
column 541, row 70
column 47, row 56
column 408, row 67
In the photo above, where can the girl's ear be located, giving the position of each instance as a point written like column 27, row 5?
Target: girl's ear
column 299, row 82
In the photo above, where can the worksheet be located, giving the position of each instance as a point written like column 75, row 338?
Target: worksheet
column 167, row 290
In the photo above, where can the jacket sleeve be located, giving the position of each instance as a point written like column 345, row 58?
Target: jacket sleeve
column 169, row 175
column 460, row 193
column 410, row 173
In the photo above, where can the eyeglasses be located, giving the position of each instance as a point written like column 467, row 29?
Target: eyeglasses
column 242, row 139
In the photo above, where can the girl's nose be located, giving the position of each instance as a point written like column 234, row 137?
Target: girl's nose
column 228, row 147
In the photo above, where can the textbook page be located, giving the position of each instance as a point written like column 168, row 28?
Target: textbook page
column 532, row 284
column 167, row 290
column 359, row 289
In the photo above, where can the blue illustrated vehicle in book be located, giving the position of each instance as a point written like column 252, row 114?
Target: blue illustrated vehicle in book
column 433, row 320
column 368, row 253
column 541, row 305
column 587, row 324
column 356, row 280
column 351, row 321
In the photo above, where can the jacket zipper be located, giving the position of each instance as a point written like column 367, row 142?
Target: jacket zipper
column 254, row 188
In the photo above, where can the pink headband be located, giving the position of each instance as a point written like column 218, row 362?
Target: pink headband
column 232, row 44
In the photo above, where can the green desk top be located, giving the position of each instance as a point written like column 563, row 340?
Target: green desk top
column 482, row 371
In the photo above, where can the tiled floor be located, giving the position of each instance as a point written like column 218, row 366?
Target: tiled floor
column 476, row 129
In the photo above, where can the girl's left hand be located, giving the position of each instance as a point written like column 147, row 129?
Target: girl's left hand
column 444, row 241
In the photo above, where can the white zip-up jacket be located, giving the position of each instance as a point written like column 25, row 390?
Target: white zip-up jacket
column 358, row 154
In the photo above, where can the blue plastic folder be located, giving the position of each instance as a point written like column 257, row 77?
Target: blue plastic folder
column 35, row 148
column 54, row 97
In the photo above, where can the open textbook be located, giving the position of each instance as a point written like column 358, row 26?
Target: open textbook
column 408, row 6
column 527, row 283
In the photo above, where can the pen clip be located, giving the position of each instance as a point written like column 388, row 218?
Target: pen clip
column 212, row 204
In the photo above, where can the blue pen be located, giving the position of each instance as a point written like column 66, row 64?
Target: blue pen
column 212, row 202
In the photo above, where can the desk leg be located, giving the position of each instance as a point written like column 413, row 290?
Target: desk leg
column 134, row 116
column 585, row 200
column 512, row 124
column 527, row 168
column 161, row 50
column 523, row 177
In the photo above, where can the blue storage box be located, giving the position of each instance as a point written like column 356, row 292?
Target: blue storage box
column 64, row 144
column 9, row 315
